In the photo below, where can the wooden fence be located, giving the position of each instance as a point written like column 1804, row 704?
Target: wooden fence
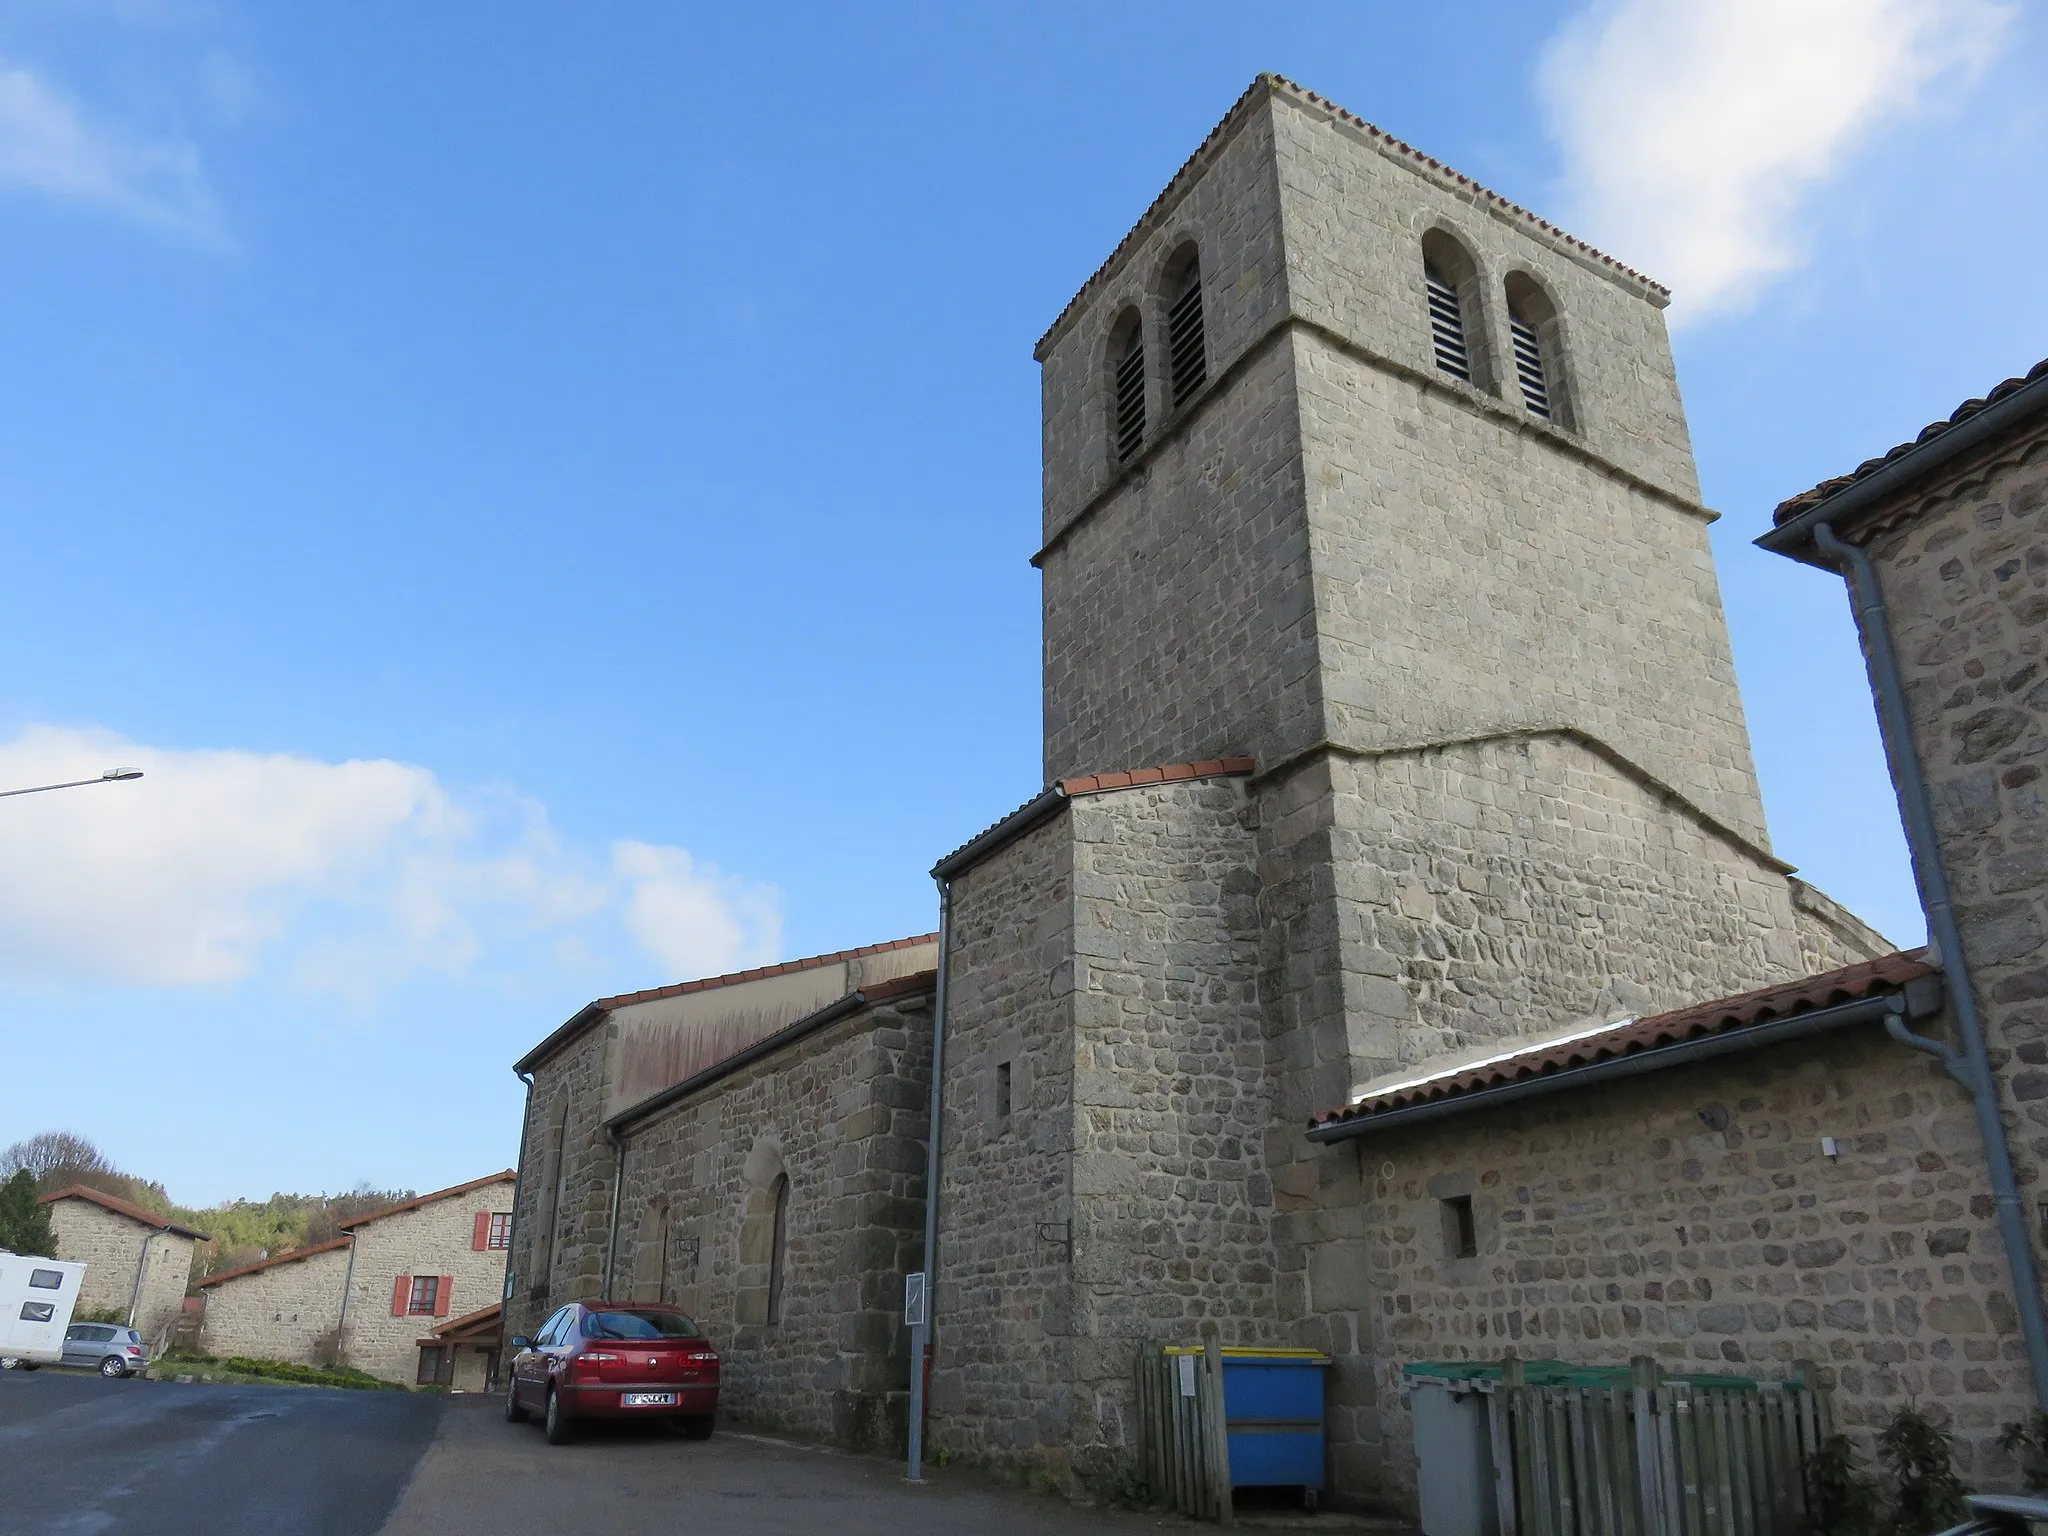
column 1653, row 1458
column 1183, row 1447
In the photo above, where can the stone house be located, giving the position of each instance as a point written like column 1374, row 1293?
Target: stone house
column 364, row 1297
column 137, row 1263
column 1394, row 763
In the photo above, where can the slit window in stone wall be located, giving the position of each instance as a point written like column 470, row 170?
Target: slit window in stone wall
column 1529, row 367
column 1461, row 1232
column 1127, row 353
column 778, row 1259
column 1187, row 353
column 1003, row 1090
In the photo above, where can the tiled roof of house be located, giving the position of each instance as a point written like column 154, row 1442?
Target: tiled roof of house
column 469, row 1320
column 123, row 1208
column 1793, row 506
column 1280, row 85
column 505, row 1177
column 1628, row 1036
column 290, row 1256
column 809, row 963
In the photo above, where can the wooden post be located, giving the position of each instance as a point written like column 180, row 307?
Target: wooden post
column 1219, row 1431
column 1644, row 1378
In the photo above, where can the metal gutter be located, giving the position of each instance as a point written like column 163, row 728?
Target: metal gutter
column 921, row 1333
column 1679, row 1053
column 1791, row 538
column 1038, row 808
column 1971, row 1066
column 585, row 1016
column 853, row 1002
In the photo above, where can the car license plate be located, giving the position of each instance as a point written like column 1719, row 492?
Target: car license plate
column 647, row 1399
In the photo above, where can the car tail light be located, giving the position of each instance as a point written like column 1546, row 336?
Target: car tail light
column 131, row 1349
column 591, row 1365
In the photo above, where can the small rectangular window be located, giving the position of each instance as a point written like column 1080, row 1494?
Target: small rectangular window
column 426, row 1290
column 46, row 1279
column 1461, row 1235
column 501, row 1230
column 1184, row 342
column 1529, row 367
column 430, row 1366
column 37, row 1311
column 1130, row 400
column 1447, row 326
column 1003, row 1091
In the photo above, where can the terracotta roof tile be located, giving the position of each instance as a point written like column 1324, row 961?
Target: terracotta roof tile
column 123, row 1208
column 1793, row 506
column 506, row 1177
column 493, row 1313
column 291, row 1256
column 1171, row 773
column 731, row 978
column 1273, row 84
column 1625, row 1038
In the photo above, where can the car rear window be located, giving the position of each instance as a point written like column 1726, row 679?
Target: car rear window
column 640, row 1325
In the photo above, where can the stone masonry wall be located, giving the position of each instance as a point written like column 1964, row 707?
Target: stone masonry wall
column 1691, row 1215
column 283, row 1312
column 433, row 1239
column 564, row 1199
column 110, row 1246
column 1966, row 583
column 1003, row 1365
column 1171, row 1205
column 841, row 1114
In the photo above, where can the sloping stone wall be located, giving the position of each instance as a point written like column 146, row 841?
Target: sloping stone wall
column 564, row 1193
column 111, row 1246
column 284, row 1312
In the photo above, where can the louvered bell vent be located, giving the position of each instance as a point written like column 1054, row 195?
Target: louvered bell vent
column 1130, row 399
column 1447, row 326
column 1529, row 367
column 1185, row 353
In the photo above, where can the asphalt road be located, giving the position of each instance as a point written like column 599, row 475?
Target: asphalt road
column 80, row 1455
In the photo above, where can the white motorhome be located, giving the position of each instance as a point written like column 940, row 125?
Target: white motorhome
column 36, row 1298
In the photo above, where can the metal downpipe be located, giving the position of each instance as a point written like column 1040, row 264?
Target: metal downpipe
column 1971, row 1066
column 518, row 1184
column 921, row 1334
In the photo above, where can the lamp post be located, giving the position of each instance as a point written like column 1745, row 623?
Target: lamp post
column 111, row 776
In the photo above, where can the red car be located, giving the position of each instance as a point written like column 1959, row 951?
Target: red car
column 614, row 1360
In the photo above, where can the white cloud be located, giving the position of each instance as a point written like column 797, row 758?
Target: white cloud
column 1693, row 132
column 49, row 145
column 353, row 876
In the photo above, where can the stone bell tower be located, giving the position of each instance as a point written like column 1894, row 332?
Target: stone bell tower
column 1359, row 469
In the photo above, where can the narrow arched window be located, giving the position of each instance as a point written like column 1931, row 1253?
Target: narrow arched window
column 779, row 1255
column 1532, row 326
column 1187, row 353
column 1447, row 325
column 1127, row 385
column 1450, row 284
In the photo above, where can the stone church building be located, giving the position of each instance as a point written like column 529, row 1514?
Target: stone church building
column 1396, row 962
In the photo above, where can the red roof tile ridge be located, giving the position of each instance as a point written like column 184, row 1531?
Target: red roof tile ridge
column 122, row 1207
column 1792, row 506
column 1276, row 84
column 504, row 1176
column 761, row 972
column 469, row 1319
column 289, row 1256
column 1168, row 773
column 1585, row 1045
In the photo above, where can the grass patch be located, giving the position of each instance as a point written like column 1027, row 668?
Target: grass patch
column 242, row 1370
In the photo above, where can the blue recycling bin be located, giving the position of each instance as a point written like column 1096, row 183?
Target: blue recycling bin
column 1273, row 1413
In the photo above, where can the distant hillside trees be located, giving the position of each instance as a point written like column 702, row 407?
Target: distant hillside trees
column 242, row 1231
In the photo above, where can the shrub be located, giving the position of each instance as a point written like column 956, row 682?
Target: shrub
column 2029, row 1441
column 1840, row 1501
column 1927, row 1496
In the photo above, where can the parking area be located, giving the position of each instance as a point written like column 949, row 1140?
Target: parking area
column 484, row 1477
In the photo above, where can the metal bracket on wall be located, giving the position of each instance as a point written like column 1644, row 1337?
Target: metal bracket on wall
column 686, row 1253
column 1061, row 1232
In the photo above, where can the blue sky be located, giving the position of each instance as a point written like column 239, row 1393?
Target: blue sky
column 545, row 490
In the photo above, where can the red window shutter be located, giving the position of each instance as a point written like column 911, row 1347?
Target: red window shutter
column 401, row 1293
column 441, row 1294
column 480, row 1237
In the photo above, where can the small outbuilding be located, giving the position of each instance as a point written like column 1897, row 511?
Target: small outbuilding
column 137, row 1263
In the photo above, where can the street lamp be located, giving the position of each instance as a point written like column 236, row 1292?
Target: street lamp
column 111, row 776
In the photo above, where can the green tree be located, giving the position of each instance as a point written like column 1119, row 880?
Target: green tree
column 1927, row 1496
column 24, row 1225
